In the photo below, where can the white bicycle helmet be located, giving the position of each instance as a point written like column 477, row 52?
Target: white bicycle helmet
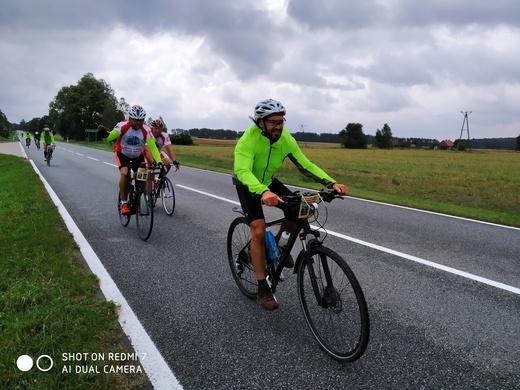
column 137, row 112
column 268, row 107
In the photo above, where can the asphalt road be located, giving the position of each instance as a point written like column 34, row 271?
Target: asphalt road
column 443, row 293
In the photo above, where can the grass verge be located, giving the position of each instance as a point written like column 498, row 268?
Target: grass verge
column 48, row 298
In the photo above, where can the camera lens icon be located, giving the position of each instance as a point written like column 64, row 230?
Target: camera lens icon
column 43, row 363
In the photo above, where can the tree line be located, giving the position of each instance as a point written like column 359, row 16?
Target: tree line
column 92, row 101
column 353, row 137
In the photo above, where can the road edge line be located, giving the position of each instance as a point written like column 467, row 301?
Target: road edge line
column 156, row 368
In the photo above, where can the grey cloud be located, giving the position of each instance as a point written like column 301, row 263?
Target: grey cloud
column 335, row 13
column 241, row 34
column 349, row 15
column 455, row 13
column 360, row 55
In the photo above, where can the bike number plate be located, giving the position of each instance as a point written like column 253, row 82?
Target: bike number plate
column 142, row 174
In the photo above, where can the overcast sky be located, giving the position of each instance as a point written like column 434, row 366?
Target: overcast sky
column 412, row 64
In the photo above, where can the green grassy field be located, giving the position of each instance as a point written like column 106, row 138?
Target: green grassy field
column 49, row 301
column 481, row 184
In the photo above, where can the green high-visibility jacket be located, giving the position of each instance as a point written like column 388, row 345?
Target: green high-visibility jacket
column 47, row 137
column 257, row 159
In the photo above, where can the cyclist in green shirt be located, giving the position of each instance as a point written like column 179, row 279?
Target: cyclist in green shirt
column 27, row 139
column 259, row 153
column 47, row 138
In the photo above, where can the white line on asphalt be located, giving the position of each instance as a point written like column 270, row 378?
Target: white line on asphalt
column 454, row 271
column 426, row 262
column 382, row 203
column 393, row 252
column 153, row 363
column 210, row 195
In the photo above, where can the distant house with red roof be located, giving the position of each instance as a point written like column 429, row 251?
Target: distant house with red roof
column 445, row 145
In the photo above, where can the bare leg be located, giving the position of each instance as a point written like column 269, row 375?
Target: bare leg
column 258, row 247
column 123, row 183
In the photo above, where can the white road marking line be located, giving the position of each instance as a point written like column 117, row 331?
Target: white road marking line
column 441, row 267
column 451, row 270
column 155, row 366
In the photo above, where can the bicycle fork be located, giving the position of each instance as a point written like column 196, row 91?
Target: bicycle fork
column 309, row 262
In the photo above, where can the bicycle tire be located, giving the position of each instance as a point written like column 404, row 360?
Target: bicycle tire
column 238, row 240
column 144, row 214
column 168, row 196
column 340, row 323
column 123, row 218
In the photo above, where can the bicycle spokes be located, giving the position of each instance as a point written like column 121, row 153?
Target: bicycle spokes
column 333, row 304
column 239, row 237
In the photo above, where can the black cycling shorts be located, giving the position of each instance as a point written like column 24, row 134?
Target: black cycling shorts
column 252, row 203
column 123, row 160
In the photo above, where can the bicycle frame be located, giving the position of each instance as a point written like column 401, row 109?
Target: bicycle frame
column 330, row 296
column 139, row 202
column 138, row 186
column 303, row 230
column 135, row 187
column 162, row 175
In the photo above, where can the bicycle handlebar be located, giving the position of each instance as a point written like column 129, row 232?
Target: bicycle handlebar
column 325, row 195
column 155, row 167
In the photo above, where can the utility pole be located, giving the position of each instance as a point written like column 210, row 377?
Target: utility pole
column 302, row 129
column 465, row 122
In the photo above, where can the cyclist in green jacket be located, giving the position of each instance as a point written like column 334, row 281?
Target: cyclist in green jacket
column 259, row 153
column 47, row 138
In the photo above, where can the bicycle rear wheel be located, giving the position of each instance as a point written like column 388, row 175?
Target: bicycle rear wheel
column 168, row 196
column 238, row 241
column 144, row 215
column 123, row 218
column 338, row 318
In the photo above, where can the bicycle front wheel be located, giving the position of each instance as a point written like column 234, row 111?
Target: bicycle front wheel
column 333, row 304
column 144, row 214
column 238, row 241
column 168, row 196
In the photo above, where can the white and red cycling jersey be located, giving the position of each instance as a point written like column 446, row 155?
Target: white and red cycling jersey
column 162, row 139
column 131, row 142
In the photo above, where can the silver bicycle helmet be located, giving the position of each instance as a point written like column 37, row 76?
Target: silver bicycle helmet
column 157, row 123
column 268, row 107
column 137, row 112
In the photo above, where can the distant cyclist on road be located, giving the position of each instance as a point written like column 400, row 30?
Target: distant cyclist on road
column 27, row 139
column 259, row 153
column 48, row 141
column 132, row 135
column 37, row 139
column 164, row 145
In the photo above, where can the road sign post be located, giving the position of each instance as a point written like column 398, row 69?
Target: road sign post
column 88, row 131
